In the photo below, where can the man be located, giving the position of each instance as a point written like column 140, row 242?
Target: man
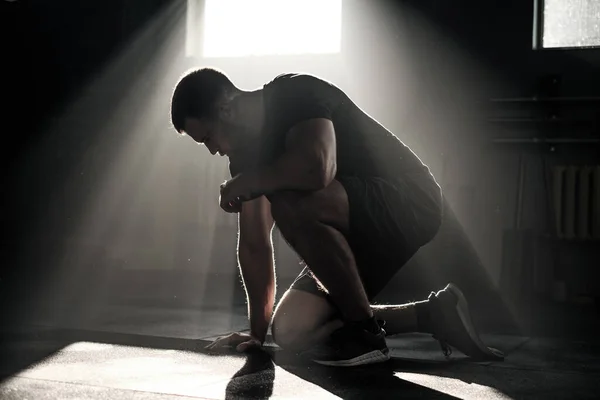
column 348, row 196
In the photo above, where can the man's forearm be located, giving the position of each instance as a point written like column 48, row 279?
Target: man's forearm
column 258, row 273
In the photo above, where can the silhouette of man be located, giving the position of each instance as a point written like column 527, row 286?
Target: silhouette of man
column 348, row 196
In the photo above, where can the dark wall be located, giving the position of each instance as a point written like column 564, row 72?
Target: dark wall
column 481, row 177
column 16, row 57
column 500, row 33
column 51, row 51
column 54, row 48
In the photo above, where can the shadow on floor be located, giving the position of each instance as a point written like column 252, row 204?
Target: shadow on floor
column 20, row 350
column 399, row 378
column 255, row 380
column 372, row 382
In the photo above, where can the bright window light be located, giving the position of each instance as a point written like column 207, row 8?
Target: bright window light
column 241, row 28
column 571, row 23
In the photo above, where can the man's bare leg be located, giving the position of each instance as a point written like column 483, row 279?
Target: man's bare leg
column 297, row 331
column 300, row 331
column 315, row 226
column 404, row 318
column 312, row 224
column 398, row 319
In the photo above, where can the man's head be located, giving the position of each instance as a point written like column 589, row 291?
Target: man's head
column 201, row 108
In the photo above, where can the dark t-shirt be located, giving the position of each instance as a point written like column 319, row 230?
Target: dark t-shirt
column 364, row 147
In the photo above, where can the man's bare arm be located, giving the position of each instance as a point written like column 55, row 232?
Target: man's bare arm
column 308, row 163
column 255, row 256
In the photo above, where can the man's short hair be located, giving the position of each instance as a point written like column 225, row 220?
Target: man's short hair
column 197, row 93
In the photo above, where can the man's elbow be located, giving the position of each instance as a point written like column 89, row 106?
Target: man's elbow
column 326, row 174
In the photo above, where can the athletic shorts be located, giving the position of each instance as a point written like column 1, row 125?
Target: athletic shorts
column 390, row 219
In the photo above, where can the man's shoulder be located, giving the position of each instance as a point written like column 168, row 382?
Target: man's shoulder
column 286, row 77
column 294, row 88
column 297, row 79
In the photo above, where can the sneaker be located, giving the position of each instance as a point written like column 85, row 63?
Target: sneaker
column 453, row 327
column 350, row 346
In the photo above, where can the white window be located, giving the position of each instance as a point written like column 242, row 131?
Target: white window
column 570, row 23
column 242, row 28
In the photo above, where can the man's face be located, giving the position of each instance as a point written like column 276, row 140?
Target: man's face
column 208, row 132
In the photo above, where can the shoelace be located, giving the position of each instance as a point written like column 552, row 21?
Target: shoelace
column 446, row 349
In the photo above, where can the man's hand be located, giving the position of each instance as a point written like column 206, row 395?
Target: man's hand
column 240, row 341
column 240, row 188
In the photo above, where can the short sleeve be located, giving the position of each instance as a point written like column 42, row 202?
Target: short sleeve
column 297, row 98
column 289, row 100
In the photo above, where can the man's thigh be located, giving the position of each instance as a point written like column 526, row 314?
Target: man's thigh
column 328, row 205
column 393, row 211
column 383, row 221
column 389, row 220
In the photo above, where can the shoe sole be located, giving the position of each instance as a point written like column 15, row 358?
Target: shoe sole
column 462, row 308
column 372, row 357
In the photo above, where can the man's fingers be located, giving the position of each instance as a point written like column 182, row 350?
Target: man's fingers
column 215, row 344
column 212, row 345
column 235, row 206
column 230, row 206
column 240, row 342
column 250, row 344
column 219, row 342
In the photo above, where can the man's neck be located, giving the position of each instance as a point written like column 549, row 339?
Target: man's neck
column 252, row 111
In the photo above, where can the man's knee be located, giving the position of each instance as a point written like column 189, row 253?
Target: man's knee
column 298, row 318
column 288, row 335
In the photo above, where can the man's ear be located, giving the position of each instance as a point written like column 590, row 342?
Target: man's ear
column 225, row 111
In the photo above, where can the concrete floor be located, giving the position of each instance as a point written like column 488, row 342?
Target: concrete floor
column 119, row 352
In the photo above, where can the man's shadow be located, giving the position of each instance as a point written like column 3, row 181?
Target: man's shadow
column 375, row 381
column 255, row 380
